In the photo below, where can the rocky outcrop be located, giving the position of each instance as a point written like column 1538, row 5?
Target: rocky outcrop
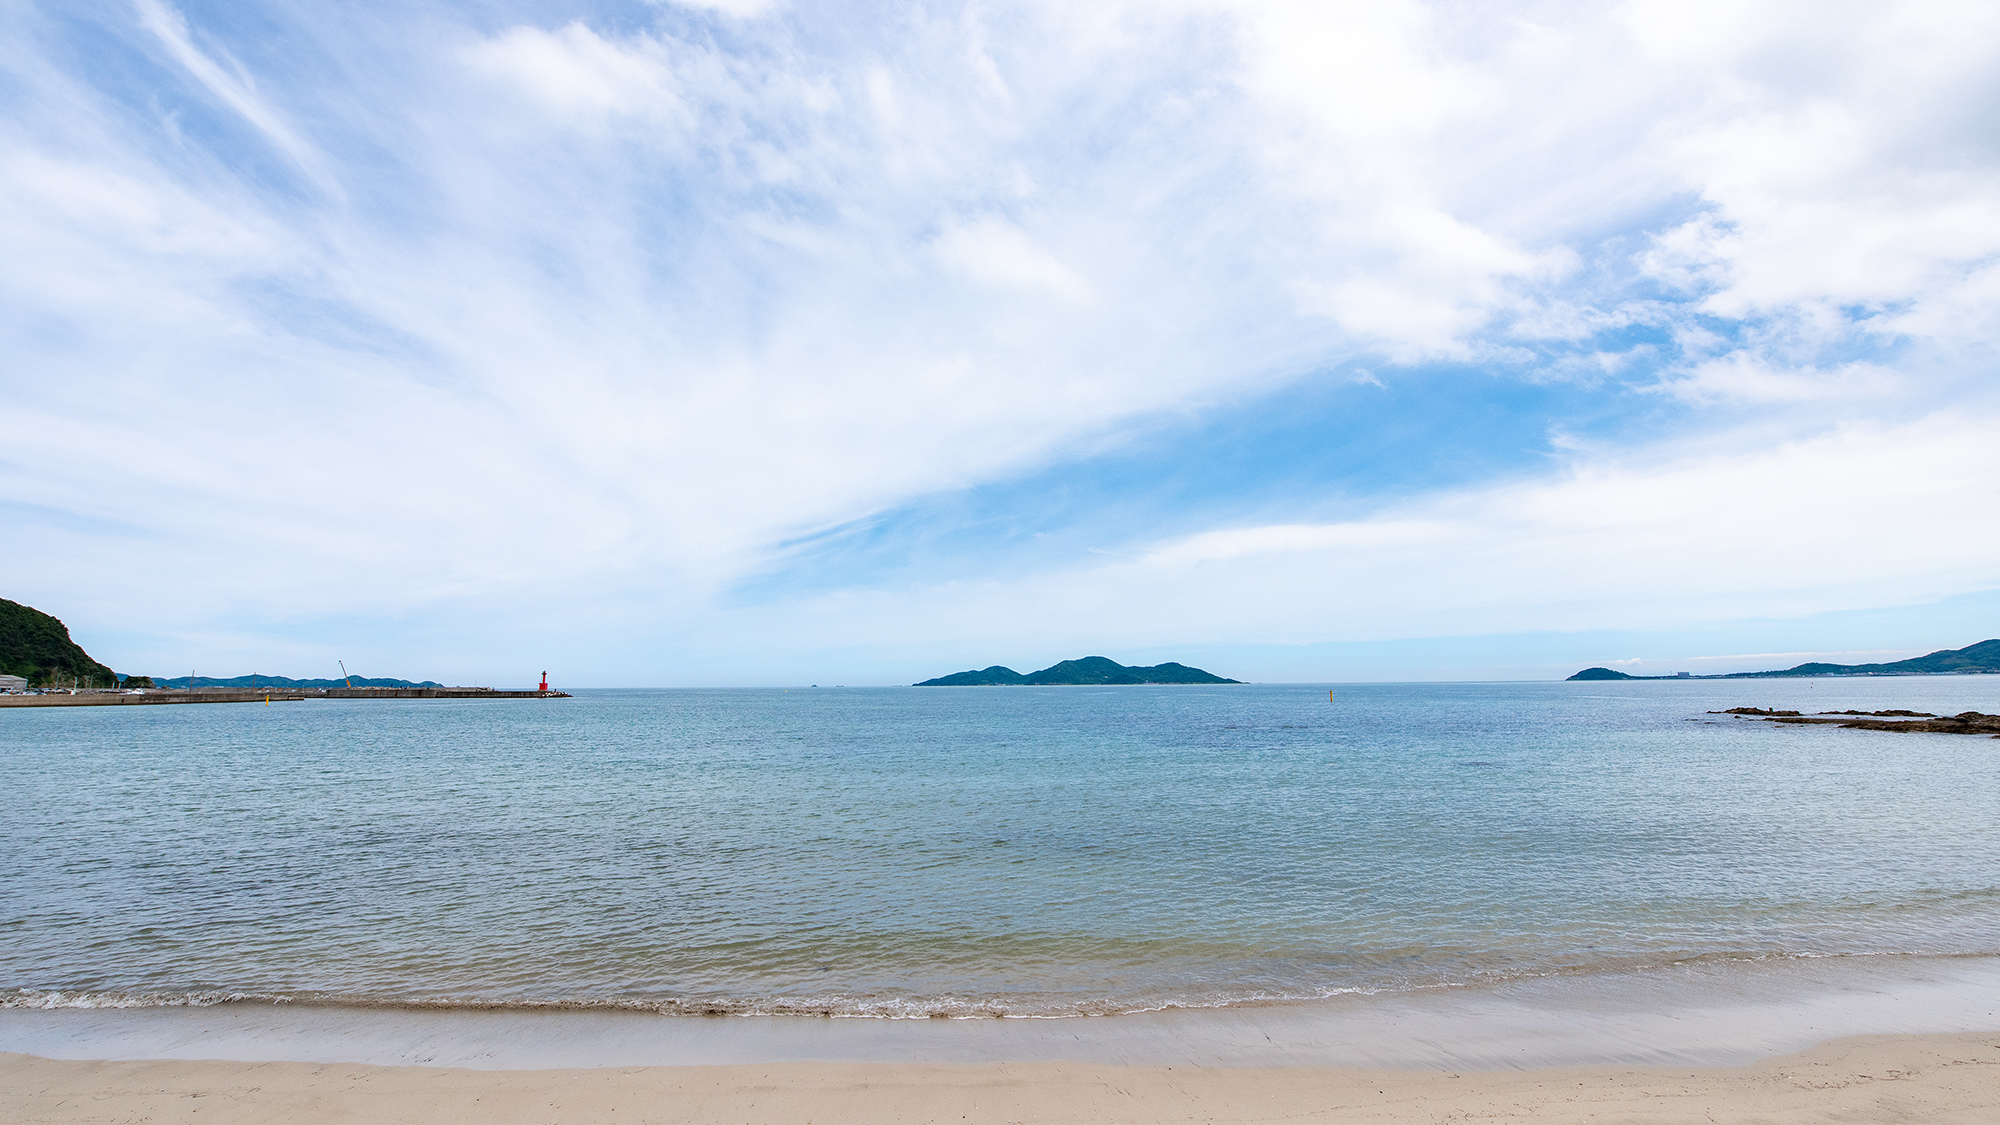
column 1965, row 722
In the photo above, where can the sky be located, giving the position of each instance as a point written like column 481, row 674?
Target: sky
column 749, row 342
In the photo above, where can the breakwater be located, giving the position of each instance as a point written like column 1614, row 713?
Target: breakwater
column 286, row 695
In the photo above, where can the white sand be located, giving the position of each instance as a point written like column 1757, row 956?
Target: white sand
column 1951, row 1078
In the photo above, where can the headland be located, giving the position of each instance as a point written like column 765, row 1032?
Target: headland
column 1975, row 659
column 36, row 649
column 42, row 666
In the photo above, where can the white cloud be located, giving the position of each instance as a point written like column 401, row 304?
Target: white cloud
column 1843, row 161
column 1743, row 377
column 577, row 73
column 739, row 9
column 644, row 307
column 1864, row 516
column 994, row 251
column 234, row 88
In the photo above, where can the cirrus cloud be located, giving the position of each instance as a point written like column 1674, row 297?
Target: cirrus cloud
column 650, row 297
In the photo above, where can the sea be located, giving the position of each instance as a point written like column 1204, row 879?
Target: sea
column 1049, row 853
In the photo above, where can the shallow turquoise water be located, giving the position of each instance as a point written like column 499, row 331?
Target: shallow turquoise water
column 1017, row 850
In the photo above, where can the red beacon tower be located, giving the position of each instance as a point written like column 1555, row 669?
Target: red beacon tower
column 545, row 681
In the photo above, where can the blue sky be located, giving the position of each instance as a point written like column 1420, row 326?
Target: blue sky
column 756, row 342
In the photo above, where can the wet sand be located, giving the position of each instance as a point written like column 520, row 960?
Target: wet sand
column 1700, row 1014
column 1898, row 1039
column 1948, row 1079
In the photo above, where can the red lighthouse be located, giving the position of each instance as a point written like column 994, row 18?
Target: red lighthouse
column 545, row 681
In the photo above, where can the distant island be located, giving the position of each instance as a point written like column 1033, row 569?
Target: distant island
column 1087, row 670
column 1983, row 657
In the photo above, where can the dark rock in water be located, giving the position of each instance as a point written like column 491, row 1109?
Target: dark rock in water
column 1965, row 722
column 1087, row 670
column 1601, row 674
column 1886, row 714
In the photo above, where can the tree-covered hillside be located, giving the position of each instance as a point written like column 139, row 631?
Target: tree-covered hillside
column 37, row 646
column 1981, row 657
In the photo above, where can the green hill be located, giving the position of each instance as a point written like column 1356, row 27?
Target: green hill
column 1981, row 657
column 1087, row 670
column 1606, row 674
column 38, row 647
column 985, row 677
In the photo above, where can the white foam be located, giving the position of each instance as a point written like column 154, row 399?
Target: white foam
column 1703, row 1014
column 49, row 1000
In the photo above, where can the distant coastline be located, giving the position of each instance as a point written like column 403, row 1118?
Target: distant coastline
column 146, row 697
column 42, row 666
column 1976, row 659
column 256, row 681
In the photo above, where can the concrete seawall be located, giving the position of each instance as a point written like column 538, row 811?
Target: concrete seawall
column 286, row 695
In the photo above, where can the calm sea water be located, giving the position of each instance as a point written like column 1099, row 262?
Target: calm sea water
column 1034, row 851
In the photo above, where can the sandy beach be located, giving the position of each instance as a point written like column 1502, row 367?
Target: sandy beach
column 1904, row 1078
column 1612, row 913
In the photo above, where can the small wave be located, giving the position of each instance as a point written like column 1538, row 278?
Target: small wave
column 833, row 1007
column 848, row 1006
column 51, row 999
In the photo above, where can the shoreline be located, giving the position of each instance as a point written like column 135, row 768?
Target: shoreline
column 1705, row 1014
column 1945, row 1078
